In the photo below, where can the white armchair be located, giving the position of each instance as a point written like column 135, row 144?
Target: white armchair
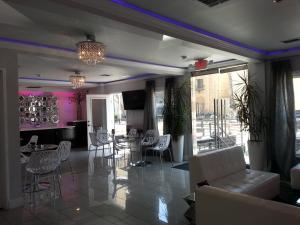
column 161, row 146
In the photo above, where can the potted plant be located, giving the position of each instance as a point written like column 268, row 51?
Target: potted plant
column 175, row 112
column 250, row 114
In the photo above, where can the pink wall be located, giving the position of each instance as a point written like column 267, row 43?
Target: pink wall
column 66, row 107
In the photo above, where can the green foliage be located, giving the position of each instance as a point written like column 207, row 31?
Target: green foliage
column 249, row 109
column 176, row 110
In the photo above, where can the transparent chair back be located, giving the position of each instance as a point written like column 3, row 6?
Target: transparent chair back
column 150, row 138
column 43, row 162
column 33, row 139
column 93, row 138
column 64, row 150
column 163, row 142
column 132, row 133
column 102, row 137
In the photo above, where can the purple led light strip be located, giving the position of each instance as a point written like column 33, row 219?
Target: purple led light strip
column 201, row 31
column 54, row 80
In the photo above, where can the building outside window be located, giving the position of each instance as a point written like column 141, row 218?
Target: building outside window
column 199, row 85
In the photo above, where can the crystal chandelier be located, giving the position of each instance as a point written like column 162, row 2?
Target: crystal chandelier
column 77, row 80
column 90, row 51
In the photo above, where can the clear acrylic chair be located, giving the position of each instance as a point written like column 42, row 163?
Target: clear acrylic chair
column 103, row 140
column 42, row 164
column 150, row 138
column 95, row 143
column 30, row 145
column 132, row 134
column 64, row 151
column 161, row 146
column 132, row 139
column 33, row 139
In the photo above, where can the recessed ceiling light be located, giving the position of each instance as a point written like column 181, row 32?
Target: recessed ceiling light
column 166, row 38
column 277, row 1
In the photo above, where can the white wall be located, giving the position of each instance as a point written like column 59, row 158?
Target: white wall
column 10, row 156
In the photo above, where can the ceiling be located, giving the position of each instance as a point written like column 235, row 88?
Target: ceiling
column 131, row 51
column 53, row 68
column 258, row 23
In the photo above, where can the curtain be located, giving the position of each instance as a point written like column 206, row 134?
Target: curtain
column 168, row 99
column 150, row 122
column 188, row 136
column 282, row 119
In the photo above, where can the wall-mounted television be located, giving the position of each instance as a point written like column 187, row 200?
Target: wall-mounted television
column 134, row 100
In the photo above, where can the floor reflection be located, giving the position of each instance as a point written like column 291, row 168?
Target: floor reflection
column 107, row 192
column 163, row 210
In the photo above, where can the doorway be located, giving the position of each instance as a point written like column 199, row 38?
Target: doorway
column 100, row 113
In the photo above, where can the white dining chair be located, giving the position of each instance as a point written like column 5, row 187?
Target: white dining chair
column 96, row 143
column 28, row 147
column 103, row 140
column 150, row 138
column 42, row 164
column 64, row 151
column 161, row 146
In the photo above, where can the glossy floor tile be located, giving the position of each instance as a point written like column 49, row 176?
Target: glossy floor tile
column 101, row 193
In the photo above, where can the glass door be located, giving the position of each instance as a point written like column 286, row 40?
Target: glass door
column 214, row 119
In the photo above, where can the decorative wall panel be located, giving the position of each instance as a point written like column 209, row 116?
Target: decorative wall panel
column 37, row 110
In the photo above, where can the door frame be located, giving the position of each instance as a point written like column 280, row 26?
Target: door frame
column 4, row 181
column 110, row 122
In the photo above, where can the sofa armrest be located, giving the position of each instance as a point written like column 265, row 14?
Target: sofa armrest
column 196, row 173
column 216, row 206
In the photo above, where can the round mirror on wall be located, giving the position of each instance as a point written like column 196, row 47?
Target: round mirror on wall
column 45, row 119
column 21, row 99
column 54, row 119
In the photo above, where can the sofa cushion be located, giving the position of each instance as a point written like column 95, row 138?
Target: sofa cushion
column 215, row 165
column 256, row 183
column 215, row 206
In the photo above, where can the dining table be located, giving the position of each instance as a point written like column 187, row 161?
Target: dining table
column 26, row 153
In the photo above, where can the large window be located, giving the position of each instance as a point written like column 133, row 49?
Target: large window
column 214, row 119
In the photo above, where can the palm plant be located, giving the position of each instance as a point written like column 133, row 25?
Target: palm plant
column 176, row 111
column 249, row 110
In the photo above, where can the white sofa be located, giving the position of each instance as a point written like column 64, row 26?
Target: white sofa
column 215, row 206
column 226, row 169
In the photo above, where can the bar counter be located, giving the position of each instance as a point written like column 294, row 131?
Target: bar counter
column 48, row 135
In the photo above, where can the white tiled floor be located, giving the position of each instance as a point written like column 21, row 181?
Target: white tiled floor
column 101, row 195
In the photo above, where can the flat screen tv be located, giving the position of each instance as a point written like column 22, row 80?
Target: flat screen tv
column 134, row 100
